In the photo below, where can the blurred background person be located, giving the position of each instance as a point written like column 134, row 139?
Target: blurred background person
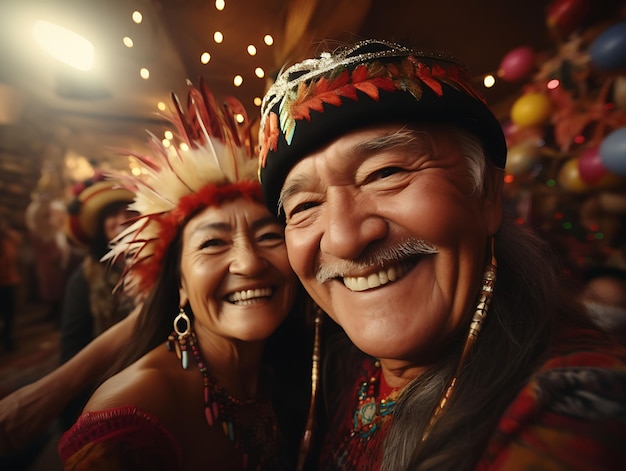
column 53, row 257
column 604, row 294
column 97, row 214
column 10, row 241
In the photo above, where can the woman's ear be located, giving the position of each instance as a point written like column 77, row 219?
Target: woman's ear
column 492, row 198
column 182, row 294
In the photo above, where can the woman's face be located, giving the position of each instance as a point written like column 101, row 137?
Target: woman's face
column 235, row 274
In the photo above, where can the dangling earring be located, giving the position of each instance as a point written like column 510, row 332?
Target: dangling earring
column 182, row 328
column 305, row 444
column 484, row 301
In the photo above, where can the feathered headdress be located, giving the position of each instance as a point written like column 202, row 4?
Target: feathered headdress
column 174, row 184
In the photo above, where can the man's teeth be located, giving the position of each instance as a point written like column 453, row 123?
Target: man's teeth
column 361, row 283
column 250, row 294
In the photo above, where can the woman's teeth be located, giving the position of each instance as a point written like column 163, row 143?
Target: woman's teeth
column 249, row 295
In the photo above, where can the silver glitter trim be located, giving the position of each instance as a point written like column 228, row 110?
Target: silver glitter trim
column 329, row 61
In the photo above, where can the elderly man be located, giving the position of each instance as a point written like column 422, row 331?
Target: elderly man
column 386, row 167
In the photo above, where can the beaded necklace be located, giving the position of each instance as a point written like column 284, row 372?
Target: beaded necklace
column 259, row 441
column 373, row 405
column 374, row 408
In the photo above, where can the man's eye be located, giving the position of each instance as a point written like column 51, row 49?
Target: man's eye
column 303, row 207
column 386, row 172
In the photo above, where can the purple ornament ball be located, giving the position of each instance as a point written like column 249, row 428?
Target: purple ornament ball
column 517, row 64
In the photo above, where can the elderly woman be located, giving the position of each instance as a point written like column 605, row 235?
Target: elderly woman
column 209, row 264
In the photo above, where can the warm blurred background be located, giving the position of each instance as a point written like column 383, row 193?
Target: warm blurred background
column 554, row 72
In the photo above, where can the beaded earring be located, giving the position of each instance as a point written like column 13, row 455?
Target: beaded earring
column 305, row 443
column 182, row 328
column 480, row 314
column 258, row 444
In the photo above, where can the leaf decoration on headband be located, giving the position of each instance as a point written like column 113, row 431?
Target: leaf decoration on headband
column 329, row 80
column 269, row 138
column 403, row 78
column 312, row 97
column 173, row 183
column 457, row 78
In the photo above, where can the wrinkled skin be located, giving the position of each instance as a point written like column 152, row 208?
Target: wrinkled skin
column 363, row 194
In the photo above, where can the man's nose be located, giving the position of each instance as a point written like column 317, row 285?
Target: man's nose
column 351, row 223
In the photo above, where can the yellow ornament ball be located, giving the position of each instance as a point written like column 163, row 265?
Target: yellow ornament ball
column 569, row 177
column 570, row 180
column 521, row 159
column 532, row 109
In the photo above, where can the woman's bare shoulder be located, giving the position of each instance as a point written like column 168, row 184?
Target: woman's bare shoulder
column 148, row 384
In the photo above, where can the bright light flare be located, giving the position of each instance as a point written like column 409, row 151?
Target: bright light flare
column 64, row 45
column 489, row 81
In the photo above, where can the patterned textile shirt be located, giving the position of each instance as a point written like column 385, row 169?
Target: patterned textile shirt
column 571, row 415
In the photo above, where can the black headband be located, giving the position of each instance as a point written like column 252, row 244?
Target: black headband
column 375, row 82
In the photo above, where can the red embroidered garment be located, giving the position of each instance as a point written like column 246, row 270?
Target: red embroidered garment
column 119, row 439
column 344, row 451
column 570, row 415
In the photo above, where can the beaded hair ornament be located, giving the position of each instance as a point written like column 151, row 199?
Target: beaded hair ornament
column 174, row 184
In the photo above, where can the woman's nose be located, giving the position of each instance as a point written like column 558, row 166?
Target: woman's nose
column 246, row 261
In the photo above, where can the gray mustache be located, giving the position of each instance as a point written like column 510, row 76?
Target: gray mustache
column 378, row 257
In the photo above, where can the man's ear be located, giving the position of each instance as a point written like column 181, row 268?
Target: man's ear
column 492, row 198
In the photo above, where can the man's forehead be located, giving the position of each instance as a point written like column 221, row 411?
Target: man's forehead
column 343, row 157
column 373, row 139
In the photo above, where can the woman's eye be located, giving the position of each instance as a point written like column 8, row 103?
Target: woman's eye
column 211, row 243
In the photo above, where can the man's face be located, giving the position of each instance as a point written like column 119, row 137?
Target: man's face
column 388, row 221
